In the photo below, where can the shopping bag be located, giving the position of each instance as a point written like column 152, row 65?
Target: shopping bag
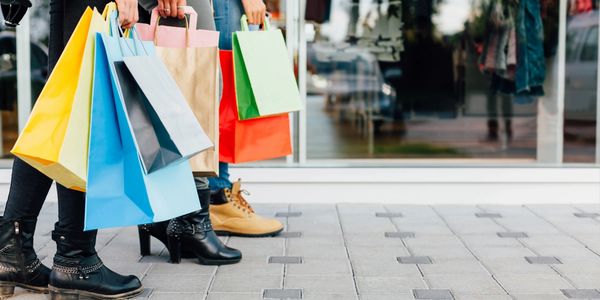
column 192, row 59
column 264, row 79
column 55, row 138
column 119, row 192
column 250, row 140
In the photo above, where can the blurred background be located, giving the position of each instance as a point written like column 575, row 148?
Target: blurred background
column 402, row 81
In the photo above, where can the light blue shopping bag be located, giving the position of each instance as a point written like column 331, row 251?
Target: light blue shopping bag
column 119, row 192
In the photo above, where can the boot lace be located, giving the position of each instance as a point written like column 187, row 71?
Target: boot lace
column 239, row 201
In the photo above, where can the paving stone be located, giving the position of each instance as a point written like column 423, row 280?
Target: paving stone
column 289, row 234
column 232, row 296
column 338, row 284
column 517, row 266
column 384, row 268
column 282, row 294
column 242, row 283
column 587, row 215
column 414, row 260
column 581, row 293
column 454, row 267
column 389, row 285
column 170, row 283
column 501, row 252
column 251, row 267
column 432, row 294
column 285, row 260
column 469, row 284
column 320, row 252
column 176, row 296
column 309, row 296
column 547, row 260
column 402, row 235
column 389, row 215
column 514, row 234
column 382, row 296
column 540, row 284
column 293, row 214
column 311, row 266
column 488, row 215
column 539, row 297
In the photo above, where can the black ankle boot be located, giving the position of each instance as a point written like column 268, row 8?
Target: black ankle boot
column 79, row 272
column 193, row 233
column 19, row 265
column 157, row 230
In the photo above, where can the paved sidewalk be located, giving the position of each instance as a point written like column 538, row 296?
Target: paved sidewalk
column 377, row 252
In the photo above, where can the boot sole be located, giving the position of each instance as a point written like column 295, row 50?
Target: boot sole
column 250, row 235
column 213, row 262
column 68, row 294
column 7, row 289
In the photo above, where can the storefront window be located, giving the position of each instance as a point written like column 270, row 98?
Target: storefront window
column 427, row 79
column 581, row 79
column 9, row 124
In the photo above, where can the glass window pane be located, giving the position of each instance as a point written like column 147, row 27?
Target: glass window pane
column 424, row 79
column 581, row 86
column 39, row 22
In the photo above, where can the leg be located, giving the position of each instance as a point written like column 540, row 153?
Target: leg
column 28, row 191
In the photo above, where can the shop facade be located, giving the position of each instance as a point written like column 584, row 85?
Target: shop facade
column 409, row 101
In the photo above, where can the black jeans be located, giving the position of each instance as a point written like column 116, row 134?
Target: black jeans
column 29, row 187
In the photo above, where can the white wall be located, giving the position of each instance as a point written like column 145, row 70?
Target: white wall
column 412, row 185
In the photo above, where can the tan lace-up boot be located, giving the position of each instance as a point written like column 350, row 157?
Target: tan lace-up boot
column 231, row 214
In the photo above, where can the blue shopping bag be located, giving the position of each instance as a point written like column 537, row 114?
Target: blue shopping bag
column 119, row 192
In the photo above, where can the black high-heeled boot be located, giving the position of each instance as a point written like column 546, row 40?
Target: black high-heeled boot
column 19, row 264
column 157, row 230
column 79, row 272
column 193, row 233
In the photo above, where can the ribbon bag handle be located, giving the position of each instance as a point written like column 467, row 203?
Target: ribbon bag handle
column 246, row 27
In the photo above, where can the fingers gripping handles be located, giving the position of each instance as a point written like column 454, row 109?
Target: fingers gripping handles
column 246, row 27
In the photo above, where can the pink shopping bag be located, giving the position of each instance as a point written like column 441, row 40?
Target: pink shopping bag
column 192, row 58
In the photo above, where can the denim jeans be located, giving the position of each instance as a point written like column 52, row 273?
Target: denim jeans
column 227, row 21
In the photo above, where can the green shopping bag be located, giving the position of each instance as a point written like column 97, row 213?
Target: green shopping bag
column 264, row 79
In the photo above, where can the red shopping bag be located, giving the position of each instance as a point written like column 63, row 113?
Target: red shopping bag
column 250, row 140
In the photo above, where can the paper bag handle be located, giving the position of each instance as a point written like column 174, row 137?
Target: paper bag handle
column 188, row 10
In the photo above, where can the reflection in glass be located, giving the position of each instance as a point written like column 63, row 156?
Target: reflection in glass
column 581, row 82
column 427, row 79
column 8, row 72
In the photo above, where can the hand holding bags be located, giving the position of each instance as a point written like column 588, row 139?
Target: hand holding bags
column 55, row 139
column 250, row 140
column 264, row 79
column 120, row 193
column 192, row 58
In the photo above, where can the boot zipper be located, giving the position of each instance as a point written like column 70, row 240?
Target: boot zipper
column 20, row 249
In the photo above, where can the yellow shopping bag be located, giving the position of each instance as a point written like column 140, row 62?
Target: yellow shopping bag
column 55, row 139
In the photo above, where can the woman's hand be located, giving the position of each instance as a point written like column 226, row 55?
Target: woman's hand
column 255, row 11
column 128, row 12
column 171, row 8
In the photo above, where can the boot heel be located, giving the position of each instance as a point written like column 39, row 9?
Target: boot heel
column 55, row 295
column 6, row 291
column 175, row 249
column 144, row 236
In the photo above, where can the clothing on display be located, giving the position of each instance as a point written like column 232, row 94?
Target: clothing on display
column 514, row 47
